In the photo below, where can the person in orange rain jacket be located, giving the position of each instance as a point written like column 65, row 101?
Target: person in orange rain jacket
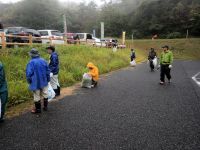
column 94, row 72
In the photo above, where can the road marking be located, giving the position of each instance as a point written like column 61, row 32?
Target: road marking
column 197, row 79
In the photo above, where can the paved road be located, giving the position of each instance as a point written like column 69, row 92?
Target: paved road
column 128, row 111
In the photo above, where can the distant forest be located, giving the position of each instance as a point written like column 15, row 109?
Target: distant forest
column 140, row 18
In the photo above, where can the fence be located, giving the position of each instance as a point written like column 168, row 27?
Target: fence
column 30, row 38
column 4, row 42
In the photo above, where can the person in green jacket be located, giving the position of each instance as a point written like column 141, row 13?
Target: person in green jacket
column 166, row 61
column 3, row 92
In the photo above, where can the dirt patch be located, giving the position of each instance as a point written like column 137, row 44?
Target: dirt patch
column 20, row 109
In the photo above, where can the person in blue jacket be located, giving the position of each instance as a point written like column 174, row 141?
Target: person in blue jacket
column 38, row 76
column 54, row 69
column 3, row 92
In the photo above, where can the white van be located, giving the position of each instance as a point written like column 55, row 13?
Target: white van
column 85, row 37
column 57, row 36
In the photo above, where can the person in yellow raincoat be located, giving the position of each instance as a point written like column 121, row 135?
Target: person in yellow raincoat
column 94, row 72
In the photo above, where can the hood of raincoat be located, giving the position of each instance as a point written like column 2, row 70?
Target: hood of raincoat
column 90, row 65
column 94, row 72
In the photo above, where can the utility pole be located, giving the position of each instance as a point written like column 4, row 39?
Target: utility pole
column 65, row 23
column 187, row 35
column 102, row 30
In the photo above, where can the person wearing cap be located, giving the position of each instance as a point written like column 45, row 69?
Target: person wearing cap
column 3, row 92
column 54, row 69
column 133, row 56
column 166, row 61
column 38, row 76
column 94, row 72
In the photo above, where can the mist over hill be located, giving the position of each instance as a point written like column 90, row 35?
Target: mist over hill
column 142, row 18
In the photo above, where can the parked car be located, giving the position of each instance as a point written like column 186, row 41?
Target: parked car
column 21, row 31
column 111, row 43
column 85, row 36
column 72, row 38
column 36, row 35
column 1, row 31
column 55, row 35
column 99, row 42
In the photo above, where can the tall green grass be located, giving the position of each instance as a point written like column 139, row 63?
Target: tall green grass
column 73, row 61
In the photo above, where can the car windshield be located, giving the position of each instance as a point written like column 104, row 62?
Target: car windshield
column 14, row 30
column 43, row 33
column 81, row 36
column 56, row 33
column 32, row 31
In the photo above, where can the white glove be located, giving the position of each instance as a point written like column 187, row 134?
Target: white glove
column 170, row 66
column 158, row 67
column 51, row 74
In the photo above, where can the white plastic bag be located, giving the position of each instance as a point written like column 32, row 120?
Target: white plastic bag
column 0, row 107
column 133, row 63
column 114, row 49
column 155, row 61
column 51, row 93
column 87, row 80
column 87, row 76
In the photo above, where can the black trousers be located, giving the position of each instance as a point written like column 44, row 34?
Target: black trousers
column 4, row 100
column 151, row 64
column 94, row 82
column 165, row 71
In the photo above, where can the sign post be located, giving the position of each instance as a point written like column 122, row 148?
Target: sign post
column 123, row 38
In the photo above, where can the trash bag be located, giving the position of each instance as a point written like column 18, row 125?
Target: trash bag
column 133, row 63
column 86, row 81
column 51, row 93
column 114, row 49
column 155, row 62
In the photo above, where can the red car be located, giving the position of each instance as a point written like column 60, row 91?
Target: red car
column 72, row 38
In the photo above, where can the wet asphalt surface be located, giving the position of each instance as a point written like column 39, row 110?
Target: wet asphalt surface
column 129, row 110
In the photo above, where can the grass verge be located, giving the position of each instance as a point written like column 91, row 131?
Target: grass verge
column 73, row 61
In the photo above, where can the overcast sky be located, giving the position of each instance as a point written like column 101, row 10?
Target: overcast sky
column 13, row 1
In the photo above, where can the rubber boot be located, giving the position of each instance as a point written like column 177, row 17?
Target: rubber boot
column 45, row 108
column 1, row 119
column 37, row 108
column 2, row 116
column 58, row 91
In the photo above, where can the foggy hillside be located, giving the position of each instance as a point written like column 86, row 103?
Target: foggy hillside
column 142, row 18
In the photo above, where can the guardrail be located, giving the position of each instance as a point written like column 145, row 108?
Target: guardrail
column 30, row 39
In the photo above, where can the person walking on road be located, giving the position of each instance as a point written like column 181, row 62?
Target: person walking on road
column 3, row 92
column 151, row 57
column 133, row 56
column 54, row 69
column 166, row 61
column 38, row 76
column 94, row 72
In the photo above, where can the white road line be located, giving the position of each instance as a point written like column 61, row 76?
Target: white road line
column 196, row 78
